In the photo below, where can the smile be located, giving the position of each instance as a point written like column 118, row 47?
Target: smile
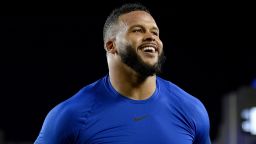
column 149, row 49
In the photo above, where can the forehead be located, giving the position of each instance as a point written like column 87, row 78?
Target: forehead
column 138, row 18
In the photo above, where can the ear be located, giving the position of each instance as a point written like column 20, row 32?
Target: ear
column 110, row 46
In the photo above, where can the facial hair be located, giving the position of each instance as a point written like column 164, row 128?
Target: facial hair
column 131, row 58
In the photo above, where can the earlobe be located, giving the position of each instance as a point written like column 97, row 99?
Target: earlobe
column 110, row 47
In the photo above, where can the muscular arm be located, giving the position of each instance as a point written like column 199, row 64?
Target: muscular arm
column 202, row 126
column 58, row 127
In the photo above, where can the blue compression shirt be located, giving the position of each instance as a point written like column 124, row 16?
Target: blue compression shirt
column 98, row 114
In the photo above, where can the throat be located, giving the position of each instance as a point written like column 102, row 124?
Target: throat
column 141, row 95
column 135, row 88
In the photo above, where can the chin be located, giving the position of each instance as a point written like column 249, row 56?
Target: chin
column 150, row 62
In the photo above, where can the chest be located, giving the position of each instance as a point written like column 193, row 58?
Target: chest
column 136, row 124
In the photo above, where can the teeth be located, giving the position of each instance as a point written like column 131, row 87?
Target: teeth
column 151, row 49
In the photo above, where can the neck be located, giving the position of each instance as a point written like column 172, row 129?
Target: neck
column 128, row 83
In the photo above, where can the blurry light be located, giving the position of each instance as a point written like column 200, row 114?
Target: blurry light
column 249, row 125
column 246, row 126
column 253, row 120
column 245, row 114
column 253, row 84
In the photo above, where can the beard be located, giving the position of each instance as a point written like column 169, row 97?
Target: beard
column 131, row 58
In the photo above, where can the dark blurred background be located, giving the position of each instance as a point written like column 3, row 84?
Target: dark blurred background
column 48, row 52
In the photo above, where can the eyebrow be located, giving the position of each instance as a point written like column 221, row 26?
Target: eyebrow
column 141, row 26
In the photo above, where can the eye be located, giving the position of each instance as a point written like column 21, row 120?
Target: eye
column 137, row 30
column 155, row 33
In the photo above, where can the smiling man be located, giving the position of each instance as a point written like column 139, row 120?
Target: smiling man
column 131, row 104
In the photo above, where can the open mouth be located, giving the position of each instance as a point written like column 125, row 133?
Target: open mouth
column 149, row 49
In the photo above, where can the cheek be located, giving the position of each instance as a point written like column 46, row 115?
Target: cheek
column 133, row 42
column 160, row 43
column 121, row 42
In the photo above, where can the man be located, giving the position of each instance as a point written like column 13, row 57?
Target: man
column 130, row 105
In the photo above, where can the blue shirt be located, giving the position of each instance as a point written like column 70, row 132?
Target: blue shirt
column 98, row 114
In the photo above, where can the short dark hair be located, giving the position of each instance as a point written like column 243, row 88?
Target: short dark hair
column 116, row 13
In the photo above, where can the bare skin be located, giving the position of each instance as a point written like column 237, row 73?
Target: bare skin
column 139, row 30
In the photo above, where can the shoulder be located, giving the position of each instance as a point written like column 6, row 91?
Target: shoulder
column 81, row 102
column 179, row 95
column 190, row 107
column 64, row 121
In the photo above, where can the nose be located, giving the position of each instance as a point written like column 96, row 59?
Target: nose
column 149, row 36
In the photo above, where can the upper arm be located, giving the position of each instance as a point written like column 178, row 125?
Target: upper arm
column 58, row 127
column 202, row 133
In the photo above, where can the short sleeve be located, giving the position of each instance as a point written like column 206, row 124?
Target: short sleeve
column 202, row 133
column 58, row 127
